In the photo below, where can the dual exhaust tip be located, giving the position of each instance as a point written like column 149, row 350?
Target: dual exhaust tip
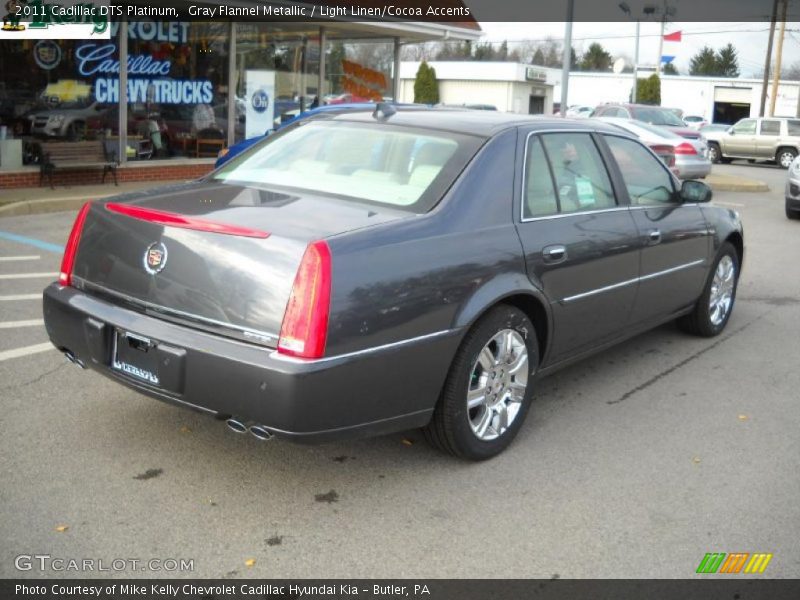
column 259, row 431
column 74, row 359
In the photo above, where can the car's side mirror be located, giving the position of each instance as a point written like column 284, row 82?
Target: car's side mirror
column 731, row 131
column 695, row 192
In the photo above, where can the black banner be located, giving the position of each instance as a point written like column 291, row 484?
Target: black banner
column 739, row 588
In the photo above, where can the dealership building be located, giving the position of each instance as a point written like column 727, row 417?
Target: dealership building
column 527, row 89
column 193, row 87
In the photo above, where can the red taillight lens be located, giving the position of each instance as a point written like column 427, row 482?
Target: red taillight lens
column 685, row 148
column 71, row 249
column 305, row 325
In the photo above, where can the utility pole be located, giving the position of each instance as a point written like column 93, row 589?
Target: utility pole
column 768, row 60
column 661, row 41
column 635, row 65
column 778, row 56
column 567, row 57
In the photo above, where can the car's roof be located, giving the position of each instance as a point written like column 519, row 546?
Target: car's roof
column 473, row 122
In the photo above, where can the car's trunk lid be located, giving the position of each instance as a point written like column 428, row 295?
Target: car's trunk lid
column 234, row 283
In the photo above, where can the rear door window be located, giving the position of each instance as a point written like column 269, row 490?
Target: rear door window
column 770, row 127
column 564, row 173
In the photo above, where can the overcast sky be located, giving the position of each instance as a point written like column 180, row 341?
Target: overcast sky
column 750, row 39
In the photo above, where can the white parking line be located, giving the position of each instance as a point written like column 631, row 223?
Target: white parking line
column 14, row 258
column 14, row 297
column 27, row 275
column 15, row 324
column 25, row 351
column 734, row 204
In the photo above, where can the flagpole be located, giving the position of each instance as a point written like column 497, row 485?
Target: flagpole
column 661, row 45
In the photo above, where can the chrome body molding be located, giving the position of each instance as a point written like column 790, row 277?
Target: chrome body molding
column 373, row 350
column 607, row 288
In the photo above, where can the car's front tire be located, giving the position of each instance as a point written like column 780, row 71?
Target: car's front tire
column 714, row 307
column 791, row 213
column 489, row 387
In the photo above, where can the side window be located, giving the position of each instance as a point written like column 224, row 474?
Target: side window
column 580, row 176
column 540, row 195
column 646, row 179
column 793, row 126
column 745, row 127
column 770, row 127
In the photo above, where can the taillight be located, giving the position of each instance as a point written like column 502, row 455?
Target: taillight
column 304, row 330
column 71, row 249
column 685, row 148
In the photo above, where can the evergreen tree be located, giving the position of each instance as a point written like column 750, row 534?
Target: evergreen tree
column 728, row 62
column 704, row 63
column 648, row 91
column 426, row 88
column 596, row 59
column 538, row 57
column 670, row 69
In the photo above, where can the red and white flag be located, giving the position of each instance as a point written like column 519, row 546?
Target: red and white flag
column 672, row 37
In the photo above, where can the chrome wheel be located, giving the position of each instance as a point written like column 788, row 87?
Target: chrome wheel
column 497, row 385
column 722, row 287
column 713, row 153
column 785, row 159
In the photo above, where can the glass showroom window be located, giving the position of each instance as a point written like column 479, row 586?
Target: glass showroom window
column 49, row 91
column 177, row 90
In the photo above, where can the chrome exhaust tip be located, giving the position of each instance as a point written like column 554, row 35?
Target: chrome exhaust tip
column 236, row 426
column 260, row 432
column 74, row 359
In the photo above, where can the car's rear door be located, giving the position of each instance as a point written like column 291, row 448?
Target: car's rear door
column 581, row 245
column 674, row 237
column 769, row 130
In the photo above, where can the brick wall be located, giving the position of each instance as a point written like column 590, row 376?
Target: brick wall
column 157, row 172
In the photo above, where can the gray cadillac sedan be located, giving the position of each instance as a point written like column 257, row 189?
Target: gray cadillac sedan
column 374, row 271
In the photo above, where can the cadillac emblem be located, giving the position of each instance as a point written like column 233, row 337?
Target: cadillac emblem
column 155, row 258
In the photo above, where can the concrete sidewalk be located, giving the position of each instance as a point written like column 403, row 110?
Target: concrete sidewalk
column 28, row 201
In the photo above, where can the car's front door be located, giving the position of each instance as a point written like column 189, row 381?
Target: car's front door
column 581, row 246
column 675, row 239
column 741, row 141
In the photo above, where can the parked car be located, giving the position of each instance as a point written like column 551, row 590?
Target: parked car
column 654, row 115
column 770, row 138
column 691, row 156
column 67, row 120
column 793, row 190
column 579, row 112
column 695, row 122
column 377, row 271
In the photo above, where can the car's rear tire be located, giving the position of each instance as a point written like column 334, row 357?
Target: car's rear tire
column 714, row 307
column 489, row 387
column 714, row 152
column 785, row 156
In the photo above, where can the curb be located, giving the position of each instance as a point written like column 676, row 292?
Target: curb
column 725, row 184
column 48, row 205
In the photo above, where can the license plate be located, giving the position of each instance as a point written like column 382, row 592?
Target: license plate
column 136, row 356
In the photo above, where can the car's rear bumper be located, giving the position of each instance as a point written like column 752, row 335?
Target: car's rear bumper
column 693, row 169
column 376, row 391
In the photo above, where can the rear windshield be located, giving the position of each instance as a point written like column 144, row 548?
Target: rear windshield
column 656, row 116
column 376, row 163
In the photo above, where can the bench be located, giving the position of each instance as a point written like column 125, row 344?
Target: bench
column 77, row 155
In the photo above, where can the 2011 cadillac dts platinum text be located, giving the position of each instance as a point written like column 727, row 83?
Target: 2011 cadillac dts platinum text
column 366, row 272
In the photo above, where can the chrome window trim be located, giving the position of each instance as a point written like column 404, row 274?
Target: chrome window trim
column 647, row 277
column 254, row 334
column 295, row 359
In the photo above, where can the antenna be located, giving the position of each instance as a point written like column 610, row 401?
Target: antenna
column 383, row 110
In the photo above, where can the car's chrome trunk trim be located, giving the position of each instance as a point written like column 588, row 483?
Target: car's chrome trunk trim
column 249, row 334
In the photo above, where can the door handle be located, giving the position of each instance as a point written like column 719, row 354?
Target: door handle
column 555, row 254
column 654, row 236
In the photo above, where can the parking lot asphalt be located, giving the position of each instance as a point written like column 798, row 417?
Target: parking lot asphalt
column 633, row 463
